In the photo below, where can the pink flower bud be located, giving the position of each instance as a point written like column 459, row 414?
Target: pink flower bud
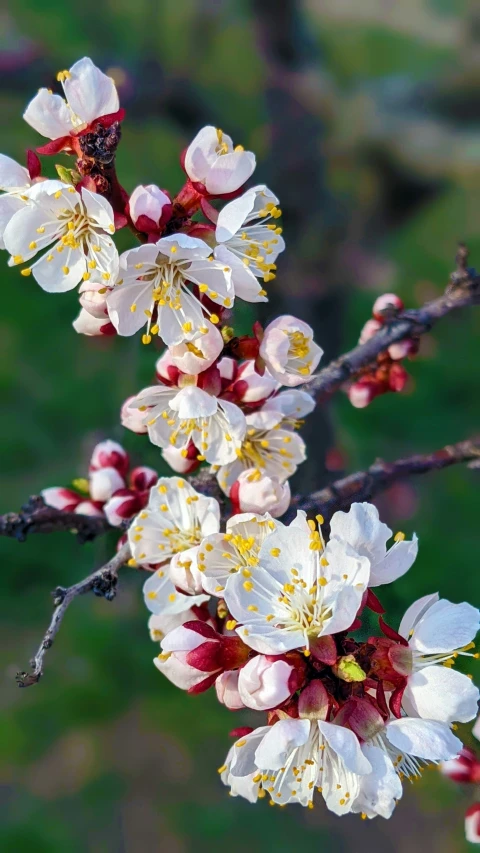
column 184, row 571
column 226, row 686
column 195, row 356
column 151, row 202
column 260, row 494
column 89, row 508
column 132, row 418
column 85, row 324
column 167, row 372
column 369, row 330
column 93, row 298
column 472, row 824
column 142, row 478
column 159, row 624
column 385, row 302
column 61, row 498
column 104, row 483
column 110, row 454
column 401, row 349
column 264, row 683
column 464, row 769
column 362, row 393
column 123, row 505
column 191, row 656
column 251, row 388
column 397, row 377
column 180, row 463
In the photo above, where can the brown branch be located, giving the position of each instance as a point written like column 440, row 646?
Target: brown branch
column 364, row 485
column 102, row 582
column 463, row 291
column 36, row 517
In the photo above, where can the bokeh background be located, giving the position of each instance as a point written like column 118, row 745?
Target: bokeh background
column 364, row 118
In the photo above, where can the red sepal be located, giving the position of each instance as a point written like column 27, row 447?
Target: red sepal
column 373, row 603
column 324, row 649
column 381, row 700
column 241, row 731
column 203, row 685
column 395, row 703
column 33, row 165
column 390, row 633
column 55, row 145
column 210, row 380
column 209, row 210
column 120, row 220
column 203, row 629
column 206, row 657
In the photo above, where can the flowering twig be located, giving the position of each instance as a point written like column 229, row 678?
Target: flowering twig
column 102, row 582
column 462, row 291
column 36, row 517
column 364, row 485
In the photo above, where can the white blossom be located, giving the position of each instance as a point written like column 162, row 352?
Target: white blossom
column 196, row 356
column 289, row 351
column 249, row 241
column 89, row 95
column 73, row 227
column 148, row 201
column 15, row 183
column 212, row 160
column 257, row 493
column 437, row 632
column 154, row 291
column 176, row 417
column 264, row 683
column 299, row 591
column 362, row 529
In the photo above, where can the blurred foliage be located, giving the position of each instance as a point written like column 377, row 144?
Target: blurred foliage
column 103, row 755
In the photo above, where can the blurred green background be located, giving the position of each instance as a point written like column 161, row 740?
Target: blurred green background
column 363, row 119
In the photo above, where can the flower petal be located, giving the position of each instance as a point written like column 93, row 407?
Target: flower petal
column 49, row 115
column 445, row 627
column 90, row 93
column 426, row 739
column 441, row 693
column 284, row 736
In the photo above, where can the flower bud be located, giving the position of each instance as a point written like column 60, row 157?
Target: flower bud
column 227, row 368
column 123, row 505
column 89, row 508
column 149, row 202
column 180, row 463
column 464, row 769
column 264, row 683
column 191, row 656
column 110, row 454
column 166, row 370
column 472, row 824
column 159, row 624
column 226, row 686
column 142, row 478
column 401, row 349
column 61, row 498
column 397, row 377
column 362, row 393
column 132, row 418
column 184, row 571
column 196, row 356
column 254, row 492
column 289, row 351
column 104, row 482
column 384, row 303
column 369, row 330
column 93, row 298
column 85, row 324
column 251, row 388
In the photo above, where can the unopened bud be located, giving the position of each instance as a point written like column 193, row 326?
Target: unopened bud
column 93, row 298
column 385, row 303
column 132, row 418
column 254, row 492
column 110, row 454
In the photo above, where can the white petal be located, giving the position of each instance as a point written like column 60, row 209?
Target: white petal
column 90, row 93
column 233, row 215
column 245, row 284
column 9, row 205
column 201, row 153
column 441, row 693
column 292, row 404
column 229, row 172
column 426, row 739
column 380, row 790
column 415, row 613
column 181, row 675
column 12, row 174
column 49, row 115
column 362, row 529
column 347, row 746
column 22, row 230
column 398, row 560
column 98, row 209
column 243, row 761
column 445, row 627
column 120, row 302
column 184, row 247
column 51, row 275
column 280, row 740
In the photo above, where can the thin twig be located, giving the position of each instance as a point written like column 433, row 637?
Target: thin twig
column 364, row 485
column 463, row 291
column 102, row 582
column 36, row 517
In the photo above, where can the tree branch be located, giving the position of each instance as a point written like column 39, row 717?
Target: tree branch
column 364, row 485
column 463, row 291
column 36, row 517
column 102, row 582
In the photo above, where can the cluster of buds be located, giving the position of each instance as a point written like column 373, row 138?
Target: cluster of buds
column 265, row 613
column 465, row 771
column 388, row 374
column 268, row 614
column 112, row 490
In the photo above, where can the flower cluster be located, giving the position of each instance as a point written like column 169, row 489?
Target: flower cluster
column 112, row 490
column 465, row 770
column 389, row 374
column 268, row 614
